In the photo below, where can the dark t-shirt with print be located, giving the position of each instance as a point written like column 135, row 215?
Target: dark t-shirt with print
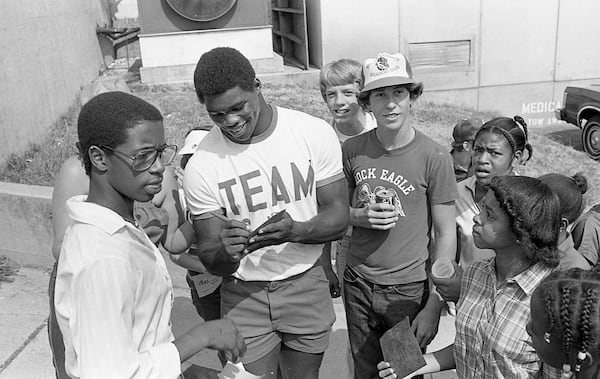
column 418, row 175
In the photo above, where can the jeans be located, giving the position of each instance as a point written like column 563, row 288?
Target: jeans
column 371, row 310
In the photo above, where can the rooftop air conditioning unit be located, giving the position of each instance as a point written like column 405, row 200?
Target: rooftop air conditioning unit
column 175, row 33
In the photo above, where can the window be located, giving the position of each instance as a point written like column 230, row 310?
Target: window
column 440, row 54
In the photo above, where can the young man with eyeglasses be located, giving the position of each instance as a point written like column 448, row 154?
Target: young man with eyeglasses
column 261, row 159
column 149, row 215
column 113, row 294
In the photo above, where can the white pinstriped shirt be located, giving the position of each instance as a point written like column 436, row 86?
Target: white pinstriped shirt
column 113, row 299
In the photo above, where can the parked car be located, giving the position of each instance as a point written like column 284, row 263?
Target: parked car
column 581, row 107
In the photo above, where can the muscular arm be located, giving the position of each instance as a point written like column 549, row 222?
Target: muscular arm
column 331, row 221
column 329, row 224
column 220, row 244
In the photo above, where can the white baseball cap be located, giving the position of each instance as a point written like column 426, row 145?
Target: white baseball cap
column 386, row 70
column 192, row 141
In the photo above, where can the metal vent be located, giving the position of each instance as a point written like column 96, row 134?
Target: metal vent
column 201, row 10
column 440, row 54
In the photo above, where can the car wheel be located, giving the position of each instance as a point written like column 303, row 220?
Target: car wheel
column 591, row 137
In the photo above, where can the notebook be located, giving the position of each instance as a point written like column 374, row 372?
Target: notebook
column 401, row 349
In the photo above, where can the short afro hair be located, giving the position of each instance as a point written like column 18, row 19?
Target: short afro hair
column 220, row 70
column 534, row 214
column 104, row 120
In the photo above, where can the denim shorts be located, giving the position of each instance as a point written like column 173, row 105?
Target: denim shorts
column 296, row 311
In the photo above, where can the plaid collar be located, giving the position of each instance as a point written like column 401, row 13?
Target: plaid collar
column 527, row 280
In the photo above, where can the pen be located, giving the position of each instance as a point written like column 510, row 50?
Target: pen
column 225, row 219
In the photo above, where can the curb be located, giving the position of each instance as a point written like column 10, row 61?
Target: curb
column 26, row 225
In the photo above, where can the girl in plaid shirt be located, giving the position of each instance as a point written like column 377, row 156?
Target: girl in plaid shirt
column 519, row 220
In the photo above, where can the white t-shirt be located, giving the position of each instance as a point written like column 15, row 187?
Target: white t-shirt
column 280, row 169
column 370, row 123
column 466, row 209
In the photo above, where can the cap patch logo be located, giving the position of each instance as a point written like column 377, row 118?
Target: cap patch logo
column 386, row 70
column 382, row 63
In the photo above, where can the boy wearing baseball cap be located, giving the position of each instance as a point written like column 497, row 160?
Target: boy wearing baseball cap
column 462, row 147
column 402, row 186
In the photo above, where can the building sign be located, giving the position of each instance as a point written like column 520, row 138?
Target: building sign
column 538, row 113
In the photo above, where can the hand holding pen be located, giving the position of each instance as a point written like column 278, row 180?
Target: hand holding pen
column 239, row 241
column 234, row 236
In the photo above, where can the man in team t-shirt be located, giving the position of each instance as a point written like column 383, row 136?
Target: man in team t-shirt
column 260, row 160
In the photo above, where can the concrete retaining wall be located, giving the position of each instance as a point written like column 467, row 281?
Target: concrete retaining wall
column 49, row 50
column 25, row 224
column 26, row 229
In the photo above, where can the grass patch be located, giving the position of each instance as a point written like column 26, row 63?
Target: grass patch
column 41, row 162
column 181, row 110
column 8, row 268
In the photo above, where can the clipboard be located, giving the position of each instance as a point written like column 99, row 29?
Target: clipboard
column 401, row 349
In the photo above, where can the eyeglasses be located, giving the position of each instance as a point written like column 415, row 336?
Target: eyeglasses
column 144, row 159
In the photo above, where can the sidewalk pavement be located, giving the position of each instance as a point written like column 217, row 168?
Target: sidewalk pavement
column 25, row 352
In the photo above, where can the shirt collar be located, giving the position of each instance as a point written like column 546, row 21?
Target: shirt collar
column 567, row 244
column 470, row 184
column 529, row 279
column 460, row 168
column 94, row 214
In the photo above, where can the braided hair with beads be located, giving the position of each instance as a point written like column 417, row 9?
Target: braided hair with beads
column 571, row 300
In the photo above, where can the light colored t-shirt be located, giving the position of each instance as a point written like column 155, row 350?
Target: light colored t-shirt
column 569, row 257
column 586, row 234
column 418, row 175
column 466, row 209
column 280, row 169
column 370, row 123
column 113, row 299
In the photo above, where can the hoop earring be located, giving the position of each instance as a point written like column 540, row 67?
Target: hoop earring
column 547, row 337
